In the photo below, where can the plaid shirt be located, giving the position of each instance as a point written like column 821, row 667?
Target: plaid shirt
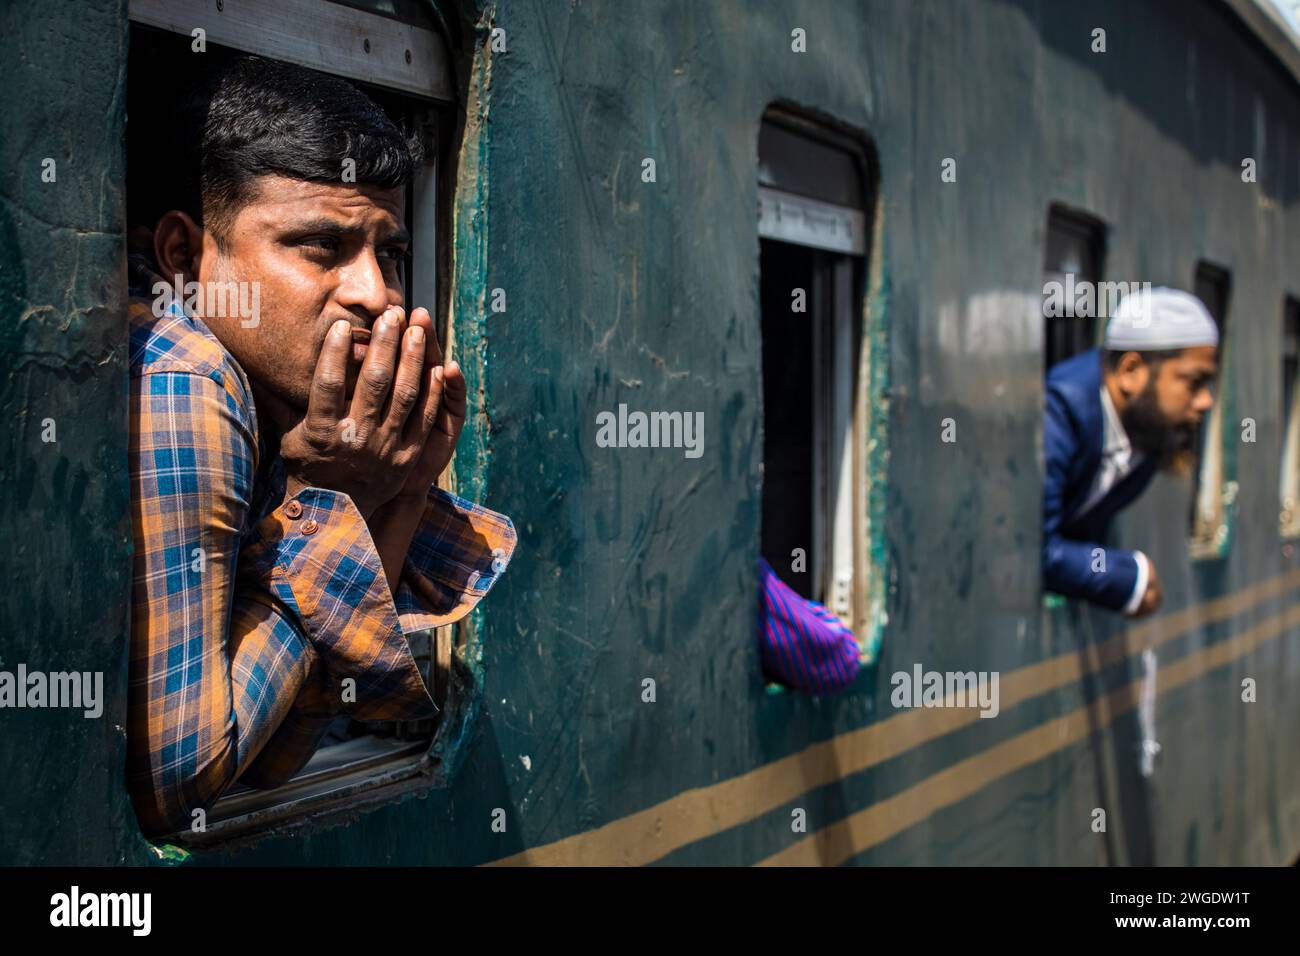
column 250, row 613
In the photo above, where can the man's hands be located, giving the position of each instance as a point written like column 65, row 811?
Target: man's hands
column 400, row 429
column 1153, row 596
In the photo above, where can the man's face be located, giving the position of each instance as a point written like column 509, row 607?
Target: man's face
column 319, row 252
column 1171, row 401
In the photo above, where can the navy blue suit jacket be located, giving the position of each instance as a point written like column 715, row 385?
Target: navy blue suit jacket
column 1072, row 444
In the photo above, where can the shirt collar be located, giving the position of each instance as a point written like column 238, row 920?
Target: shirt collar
column 142, row 274
column 1115, row 442
column 1114, row 438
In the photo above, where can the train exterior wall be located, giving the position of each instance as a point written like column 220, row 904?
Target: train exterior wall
column 639, row 564
column 64, row 497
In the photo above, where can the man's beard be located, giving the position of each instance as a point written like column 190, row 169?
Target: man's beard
column 1171, row 446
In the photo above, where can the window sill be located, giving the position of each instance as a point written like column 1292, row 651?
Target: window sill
column 343, row 779
column 1209, row 549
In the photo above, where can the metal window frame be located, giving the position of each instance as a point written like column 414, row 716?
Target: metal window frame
column 802, row 221
column 364, row 46
column 836, row 545
column 1215, row 490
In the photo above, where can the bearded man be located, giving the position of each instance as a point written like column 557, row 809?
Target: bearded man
column 1115, row 416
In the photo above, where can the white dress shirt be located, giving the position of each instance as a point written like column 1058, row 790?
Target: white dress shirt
column 1118, row 460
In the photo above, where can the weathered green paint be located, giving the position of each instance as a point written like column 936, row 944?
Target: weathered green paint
column 64, row 505
column 876, row 363
column 641, row 564
column 467, row 340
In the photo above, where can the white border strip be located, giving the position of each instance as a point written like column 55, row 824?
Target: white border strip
column 810, row 222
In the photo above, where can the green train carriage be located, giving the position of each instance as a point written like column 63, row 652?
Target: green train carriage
column 920, row 170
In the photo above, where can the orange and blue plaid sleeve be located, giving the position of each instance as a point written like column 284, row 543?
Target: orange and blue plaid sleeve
column 458, row 552
column 212, row 673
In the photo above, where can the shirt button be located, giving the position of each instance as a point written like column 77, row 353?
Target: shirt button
column 293, row 509
column 310, row 527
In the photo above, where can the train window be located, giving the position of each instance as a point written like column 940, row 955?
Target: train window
column 1073, row 258
column 1213, row 490
column 391, row 50
column 812, row 225
column 1290, row 514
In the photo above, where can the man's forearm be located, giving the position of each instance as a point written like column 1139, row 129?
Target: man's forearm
column 392, row 527
column 1089, row 571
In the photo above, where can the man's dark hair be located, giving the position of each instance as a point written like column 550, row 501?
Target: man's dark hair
column 1111, row 357
column 253, row 117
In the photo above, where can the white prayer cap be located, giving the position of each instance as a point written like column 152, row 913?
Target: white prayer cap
column 1159, row 319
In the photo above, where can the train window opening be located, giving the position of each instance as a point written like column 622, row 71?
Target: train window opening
column 389, row 50
column 812, row 250
column 1212, row 491
column 1072, row 256
column 1289, row 518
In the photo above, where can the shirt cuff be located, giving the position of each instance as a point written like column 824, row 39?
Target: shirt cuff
column 314, row 554
column 1139, row 589
column 459, row 550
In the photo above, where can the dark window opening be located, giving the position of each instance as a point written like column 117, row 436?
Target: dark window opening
column 1072, row 256
column 787, row 412
column 1289, row 427
column 812, row 228
column 357, row 763
column 1290, row 354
